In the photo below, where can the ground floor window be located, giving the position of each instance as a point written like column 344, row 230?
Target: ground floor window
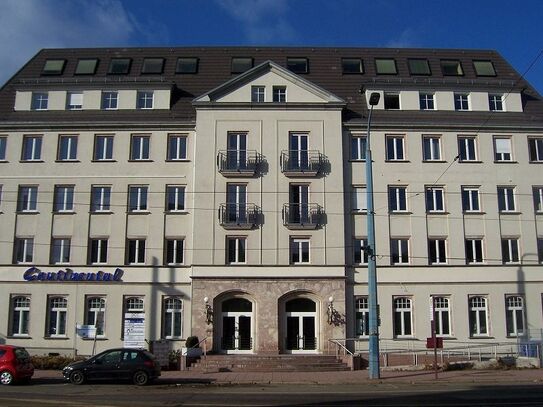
column 514, row 314
column 172, row 318
column 442, row 316
column 478, row 316
column 56, row 315
column 95, row 310
column 20, row 315
column 403, row 317
column 362, row 313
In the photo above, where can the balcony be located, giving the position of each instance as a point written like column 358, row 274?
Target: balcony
column 238, row 163
column 301, row 163
column 238, row 216
column 303, row 216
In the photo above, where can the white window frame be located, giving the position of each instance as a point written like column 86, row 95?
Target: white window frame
column 24, row 250
column 240, row 249
column 177, row 150
column 298, row 245
column 535, row 149
column 95, row 306
column 471, row 243
column 20, row 305
column 467, row 149
column 103, row 203
column 70, row 150
column 64, row 248
column 74, row 100
column 360, row 198
column 258, row 94
column 279, row 94
column 506, row 199
column 362, row 313
column 442, row 307
column 358, row 147
column 503, row 149
column 402, row 246
column 174, row 248
column 396, row 152
column 107, row 144
column 110, row 100
column 538, row 199
column 496, row 102
column 403, row 307
column 145, row 99
column 172, row 309
column 427, row 101
column 140, row 147
column 510, row 250
column 359, row 250
column 438, row 248
column 515, row 316
column 64, row 198
column 478, row 309
column 40, row 101
column 101, row 250
column 57, row 311
column 27, row 199
column 177, row 192
column 32, row 146
column 461, row 102
column 473, row 198
column 138, row 197
column 433, row 195
column 397, row 198
column 135, row 251
column 434, row 153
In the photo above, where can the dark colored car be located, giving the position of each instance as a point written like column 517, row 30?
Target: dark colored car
column 137, row 365
column 15, row 364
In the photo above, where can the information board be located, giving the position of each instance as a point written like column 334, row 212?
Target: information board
column 134, row 330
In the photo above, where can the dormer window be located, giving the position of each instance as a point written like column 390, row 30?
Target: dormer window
column 119, row 66
column 495, row 103
column 419, row 66
column 258, row 94
column 392, row 101
column 187, row 65
column 241, row 64
column 144, row 100
column 86, row 66
column 53, row 67
column 385, row 66
column 74, row 101
column 298, row 65
column 39, row 101
column 352, row 65
column 451, row 67
column 152, row 66
column 484, row 68
column 279, row 94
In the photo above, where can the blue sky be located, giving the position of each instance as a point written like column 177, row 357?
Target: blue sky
column 512, row 28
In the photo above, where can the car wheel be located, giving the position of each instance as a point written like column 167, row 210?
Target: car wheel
column 141, row 378
column 6, row 377
column 77, row 377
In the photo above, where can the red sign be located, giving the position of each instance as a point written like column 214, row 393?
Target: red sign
column 430, row 343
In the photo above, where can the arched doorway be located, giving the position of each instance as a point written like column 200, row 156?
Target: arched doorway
column 300, row 326
column 237, row 326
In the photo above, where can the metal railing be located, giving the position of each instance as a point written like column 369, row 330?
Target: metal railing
column 302, row 216
column 243, row 343
column 308, row 343
column 238, row 162
column 238, row 216
column 301, row 162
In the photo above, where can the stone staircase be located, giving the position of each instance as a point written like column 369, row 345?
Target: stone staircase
column 275, row 363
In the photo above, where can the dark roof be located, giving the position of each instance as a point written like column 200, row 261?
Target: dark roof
column 214, row 68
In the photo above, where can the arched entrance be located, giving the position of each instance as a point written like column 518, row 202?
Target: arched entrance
column 237, row 326
column 300, row 326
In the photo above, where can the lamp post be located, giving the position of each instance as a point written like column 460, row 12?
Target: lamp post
column 370, row 249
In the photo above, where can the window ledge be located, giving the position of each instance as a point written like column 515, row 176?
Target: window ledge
column 146, row 160
column 510, row 213
column 354, row 160
column 67, row 161
column 359, row 212
column 56, row 338
column 139, row 212
column 505, row 162
column 470, row 161
column 174, row 160
column 397, row 161
column 31, row 161
column 438, row 213
column 400, row 213
column 104, row 161
column 28, row 212
column 64, row 212
column 474, row 213
column 434, row 161
column 536, row 162
column 18, row 337
column 101, row 212
column 481, row 337
column 4, row 161
column 180, row 212
column 98, row 338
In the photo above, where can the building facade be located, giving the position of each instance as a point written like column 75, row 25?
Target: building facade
column 155, row 194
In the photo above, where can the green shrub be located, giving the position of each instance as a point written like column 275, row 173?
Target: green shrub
column 57, row 362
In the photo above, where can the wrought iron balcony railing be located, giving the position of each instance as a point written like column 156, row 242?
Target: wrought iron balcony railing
column 238, row 163
column 301, row 163
column 303, row 216
column 238, row 216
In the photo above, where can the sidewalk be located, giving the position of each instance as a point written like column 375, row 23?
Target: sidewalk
column 523, row 376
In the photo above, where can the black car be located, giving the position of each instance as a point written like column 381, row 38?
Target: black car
column 137, row 365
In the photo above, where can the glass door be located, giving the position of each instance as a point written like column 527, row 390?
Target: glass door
column 298, row 153
column 237, row 326
column 299, row 204
column 236, row 201
column 237, row 151
column 301, row 326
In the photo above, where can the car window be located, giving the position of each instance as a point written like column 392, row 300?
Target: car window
column 149, row 355
column 2, row 352
column 110, row 358
column 131, row 357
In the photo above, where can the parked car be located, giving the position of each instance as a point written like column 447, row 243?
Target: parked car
column 15, row 364
column 137, row 365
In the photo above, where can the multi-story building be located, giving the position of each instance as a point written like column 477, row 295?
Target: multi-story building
column 220, row 192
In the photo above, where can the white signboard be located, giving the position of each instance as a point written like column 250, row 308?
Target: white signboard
column 134, row 330
column 86, row 331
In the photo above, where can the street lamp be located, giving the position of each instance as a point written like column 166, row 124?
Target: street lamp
column 370, row 249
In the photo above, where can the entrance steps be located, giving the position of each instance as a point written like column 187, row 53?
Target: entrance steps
column 273, row 363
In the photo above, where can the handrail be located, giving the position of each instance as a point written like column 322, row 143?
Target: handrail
column 197, row 345
column 341, row 346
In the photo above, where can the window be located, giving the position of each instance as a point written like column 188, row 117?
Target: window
column 53, row 67
column 74, row 100
column 359, row 251
column 399, row 251
column 110, row 100
column 461, row 101
column 474, row 251
column 437, row 251
column 64, row 198
column 435, row 199
column 298, row 65
column 426, row 101
column 419, row 67
column 506, row 199
column 362, row 315
column 144, row 100
column 535, row 147
column 360, row 199
column 442, row 316
column 514, row 315
column 39, row 101
column 538, row 199
column 186, row 65
column 98, row 251
column 236, row 247
column 451, row 67
column 177, row 147
column 67, row 148
column 395, row 148
column 139, row 147
column 495, row 103
column 391, row 101
column 119, row 66
column 241, row 64
column 132, row 305
column 57, row 309
column 299, row 251
column 137, row 198
column 470, row 199
column 103, row 148
column 20, row 316
column 3, row 145
column 484, row 68
column 135, row 251
column 27, row 199
column 174, row 251
column 175, row 198
column 540, row 249
column 60, row 251
column 502, row 149
column 385, row 66
column 31, row 148
column 352, row 65
column 258, row 94
column 152, row 65
column 95, row 313
column 510, row 251
column 403, row 314
column 478, row 316
column 358, row 148
column 86, row 66
column 100, row 198
column 431, row 148
column 397, row 201
column 279, row 94
column 172, row 318
column 467, row 149
column 24, row 250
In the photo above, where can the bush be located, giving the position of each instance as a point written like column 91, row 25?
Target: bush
column 192, row 342
column 56, row 362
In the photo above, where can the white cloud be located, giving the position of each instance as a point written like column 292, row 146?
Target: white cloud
column 407, row 39
column 264, row 21
column 29, row 25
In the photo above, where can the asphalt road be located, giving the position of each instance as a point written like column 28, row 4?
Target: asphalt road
column 43, row 393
